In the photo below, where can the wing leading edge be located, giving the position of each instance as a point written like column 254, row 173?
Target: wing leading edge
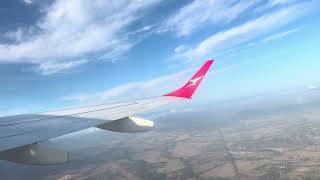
column 22, row 134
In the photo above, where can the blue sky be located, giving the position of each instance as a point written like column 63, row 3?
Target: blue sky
column 55, row 54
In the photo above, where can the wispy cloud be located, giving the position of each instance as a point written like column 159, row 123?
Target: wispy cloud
column 281, row 2
column 312, row 87
column 48, row 68
column 246, row 32
column 201, row 12
column 28, row 2
column 279, row 35
column 132, row 90
column 73, row 30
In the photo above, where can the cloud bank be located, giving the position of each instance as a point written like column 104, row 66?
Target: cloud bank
column 75, row 32
column 201, row 12
column 245, row 32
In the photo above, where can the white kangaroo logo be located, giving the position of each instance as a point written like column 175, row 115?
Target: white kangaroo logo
column 194, row 81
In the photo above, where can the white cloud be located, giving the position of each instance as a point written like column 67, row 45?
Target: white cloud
column 200, row 12
column 28, row 2
column 279, row 35
column 312, row 87
column 132, row 90
column 180, row 49
column 48, row 68
column 14, row 35
column 245, row 32
column 281, row 2
column 74, row 29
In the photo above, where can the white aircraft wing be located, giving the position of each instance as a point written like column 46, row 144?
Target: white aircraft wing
column 21, row 135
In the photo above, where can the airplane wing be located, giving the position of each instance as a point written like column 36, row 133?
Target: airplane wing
column 21, row 135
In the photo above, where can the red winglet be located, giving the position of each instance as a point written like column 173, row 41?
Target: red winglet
column 190, row 87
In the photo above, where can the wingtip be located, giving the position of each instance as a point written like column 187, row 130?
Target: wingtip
column 190, row 87
column 210, row 61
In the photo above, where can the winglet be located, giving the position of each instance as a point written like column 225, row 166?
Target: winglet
column 190, row 87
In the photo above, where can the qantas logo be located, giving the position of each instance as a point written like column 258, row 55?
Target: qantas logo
column 194, row 81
